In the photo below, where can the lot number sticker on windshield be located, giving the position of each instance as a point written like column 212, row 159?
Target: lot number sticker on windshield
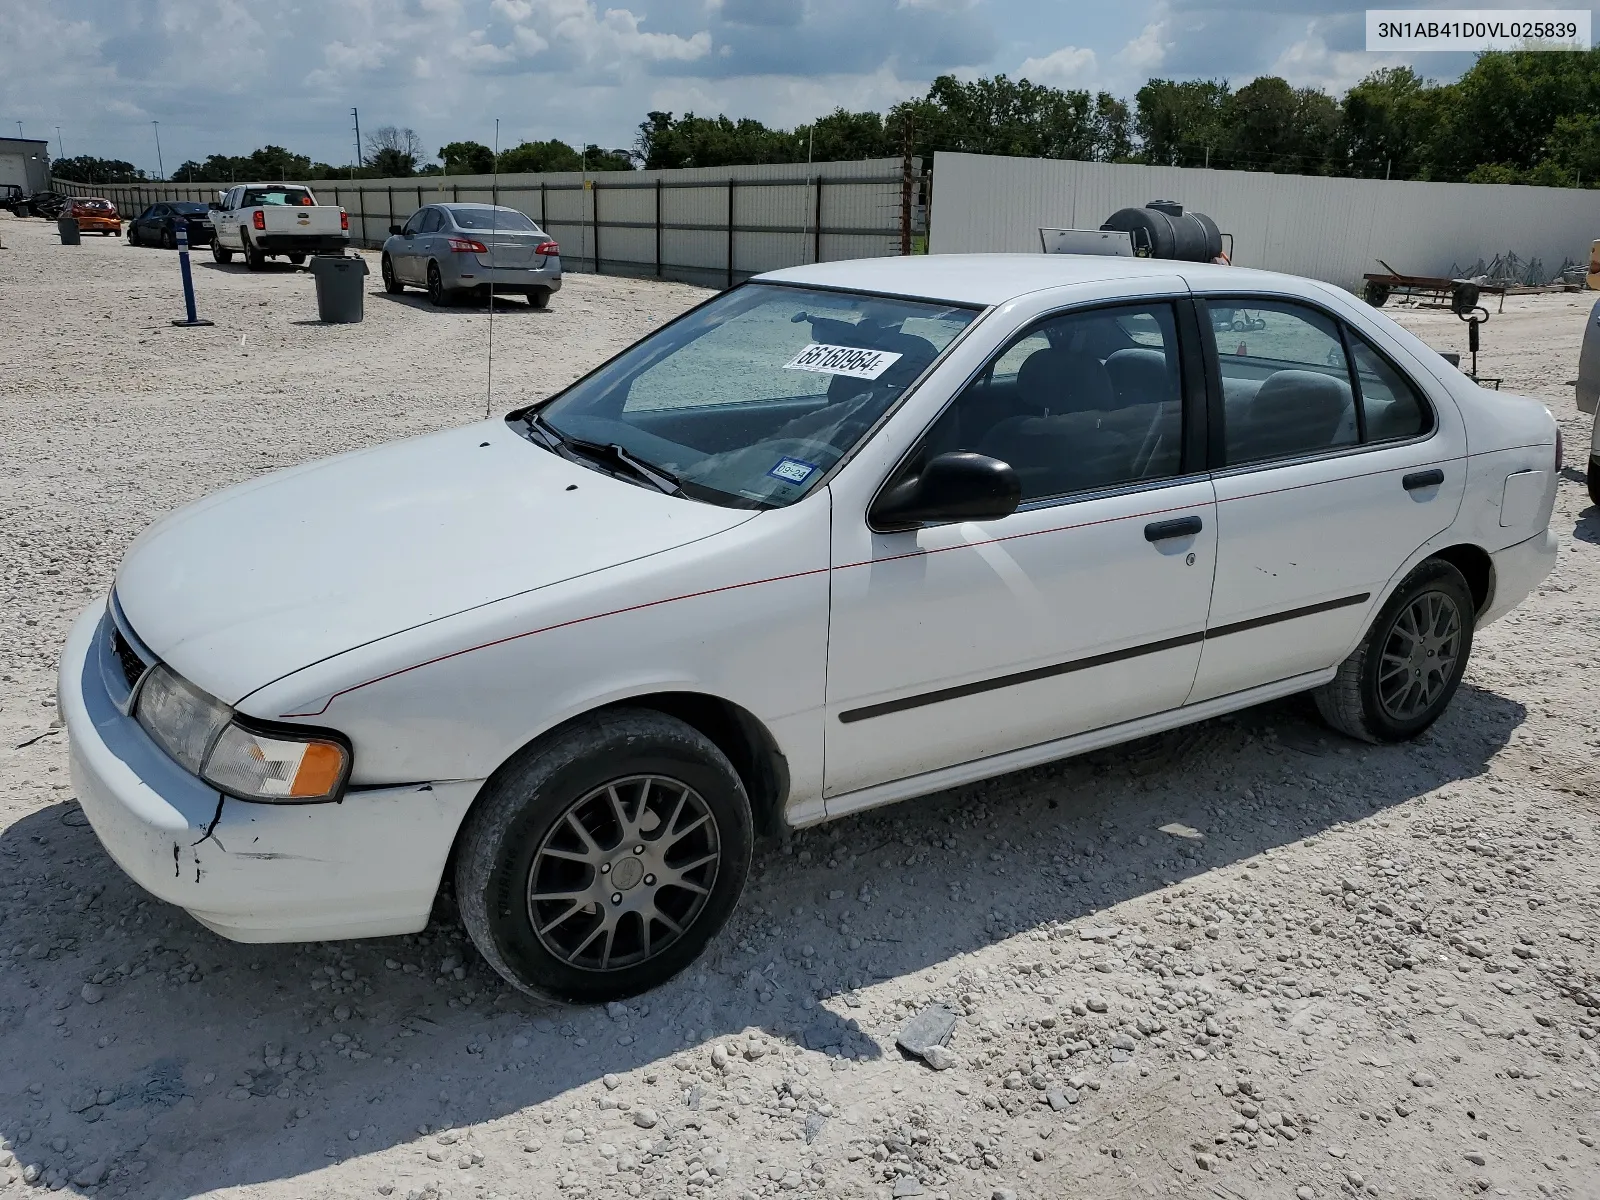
column 842, row 360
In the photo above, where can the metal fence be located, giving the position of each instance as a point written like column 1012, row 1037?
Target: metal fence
column 1328, row 229
column 706, row 225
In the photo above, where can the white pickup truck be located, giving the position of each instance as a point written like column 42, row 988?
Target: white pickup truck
column 260, row 220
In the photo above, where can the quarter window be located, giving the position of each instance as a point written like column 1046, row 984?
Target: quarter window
column 1285, row 381
column 1082, row 401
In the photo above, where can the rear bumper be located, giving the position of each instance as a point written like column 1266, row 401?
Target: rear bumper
column 99, row 225
column 299, row 243
column 367, row 866
column 1517, row 571
column 464, row 271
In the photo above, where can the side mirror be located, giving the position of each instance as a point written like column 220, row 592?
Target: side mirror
column 962, row 486
column 216, row 206
column 395, row 228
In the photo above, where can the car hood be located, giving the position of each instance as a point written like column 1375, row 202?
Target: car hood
column 262, row 579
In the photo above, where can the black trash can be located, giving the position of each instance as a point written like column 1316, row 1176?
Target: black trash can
column 68, row 228
column 341, row 287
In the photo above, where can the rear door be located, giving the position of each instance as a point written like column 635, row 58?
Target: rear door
column 1333, row 467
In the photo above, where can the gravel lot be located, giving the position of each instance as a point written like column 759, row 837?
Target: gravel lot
column 1244, row 960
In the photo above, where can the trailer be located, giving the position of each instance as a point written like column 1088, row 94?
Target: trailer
column 1389, row 282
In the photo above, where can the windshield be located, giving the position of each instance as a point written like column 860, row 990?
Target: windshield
column 751, row 399
column 506, row 219
column 276, row 195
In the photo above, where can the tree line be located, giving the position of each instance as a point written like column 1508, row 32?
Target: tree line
column 1514, row 117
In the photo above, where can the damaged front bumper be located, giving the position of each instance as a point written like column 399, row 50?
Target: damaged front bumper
column 366, row 866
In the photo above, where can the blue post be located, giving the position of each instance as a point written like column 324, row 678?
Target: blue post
column 188, row 278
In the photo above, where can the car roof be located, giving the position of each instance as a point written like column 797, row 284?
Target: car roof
column 990, row 279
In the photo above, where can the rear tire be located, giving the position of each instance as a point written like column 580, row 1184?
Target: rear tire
column 297, row 260
column 169, row 240
column 391, row 281
column 628, row 799
column 254, row 259
column 539, row 298
column 1401, row 677
column 436, row 288
column 220, row 252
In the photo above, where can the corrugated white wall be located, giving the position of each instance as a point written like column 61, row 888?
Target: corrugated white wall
column 1329, row 229
column 774, row 212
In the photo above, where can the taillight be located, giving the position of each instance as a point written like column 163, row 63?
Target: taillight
column 467, row 246
column 258, row 219
column 547, row 248
column 344, row 219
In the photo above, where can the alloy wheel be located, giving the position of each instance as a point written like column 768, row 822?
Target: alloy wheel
column 1419, row 656
column 624, row 873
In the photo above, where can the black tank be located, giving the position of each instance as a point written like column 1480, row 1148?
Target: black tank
column 1161, row 229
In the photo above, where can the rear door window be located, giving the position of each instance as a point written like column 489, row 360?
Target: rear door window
column 1392, row 405
column 1285, row 381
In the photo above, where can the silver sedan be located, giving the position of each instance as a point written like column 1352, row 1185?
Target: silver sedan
column 453, row 249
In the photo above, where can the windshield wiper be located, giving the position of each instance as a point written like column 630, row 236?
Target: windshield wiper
column 607, row 454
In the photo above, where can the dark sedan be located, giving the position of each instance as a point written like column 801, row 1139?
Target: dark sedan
column 158, row 224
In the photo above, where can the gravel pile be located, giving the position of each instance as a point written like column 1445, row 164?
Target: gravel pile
column 1248, row 959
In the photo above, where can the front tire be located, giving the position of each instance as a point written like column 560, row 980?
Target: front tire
column 391, row 281
column 1594, row 479
column 1401, row 677
column 599, row 863
column 221, row 253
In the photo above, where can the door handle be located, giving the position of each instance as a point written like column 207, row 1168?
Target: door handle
column 1160, row 531
column 1422, row 479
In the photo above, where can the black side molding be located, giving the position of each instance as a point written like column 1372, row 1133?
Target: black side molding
column 883, row 709
column 1160, row 531
column 1422, row 479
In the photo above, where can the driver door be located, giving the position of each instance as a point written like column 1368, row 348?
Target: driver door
column 1084, row 608
column 405, row 257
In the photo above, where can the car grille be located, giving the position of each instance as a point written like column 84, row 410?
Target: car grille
column 132, row 665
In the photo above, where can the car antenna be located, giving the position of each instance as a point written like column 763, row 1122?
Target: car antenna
column 494, row 227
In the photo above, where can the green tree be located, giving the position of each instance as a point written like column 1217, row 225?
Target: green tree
column 467, row 158
column 1385, row 124
column 597, row 158
column 554, row 155
column 1269, row 126
column 1179, row 122
column 85, row 168
column 1574, row 145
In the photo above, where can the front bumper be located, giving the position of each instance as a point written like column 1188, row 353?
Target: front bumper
column 367, row 866
column 299, row 243
column 1517, row 571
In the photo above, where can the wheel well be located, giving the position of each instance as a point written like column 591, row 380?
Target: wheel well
column 1475, row 564
column 739, row 735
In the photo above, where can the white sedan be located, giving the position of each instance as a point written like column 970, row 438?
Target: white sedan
column 845, row 535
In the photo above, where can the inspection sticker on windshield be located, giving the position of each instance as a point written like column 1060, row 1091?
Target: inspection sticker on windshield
column 792, row 470
column 842, row 360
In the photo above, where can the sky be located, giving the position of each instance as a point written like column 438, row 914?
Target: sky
column 226, row 76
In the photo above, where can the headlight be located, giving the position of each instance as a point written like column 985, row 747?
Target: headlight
column 233, row 756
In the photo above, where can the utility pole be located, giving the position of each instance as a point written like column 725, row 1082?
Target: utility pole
column 60, row 145
column 356, row 117
column 161, row 167
column 19, row 131
column 1388, row 164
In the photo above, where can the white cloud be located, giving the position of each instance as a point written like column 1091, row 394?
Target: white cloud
column 944, row 6
column 1070, row 66
column 1146, row 52
column 1310, row 62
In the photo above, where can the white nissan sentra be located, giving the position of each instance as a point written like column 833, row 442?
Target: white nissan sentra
column 845, row 535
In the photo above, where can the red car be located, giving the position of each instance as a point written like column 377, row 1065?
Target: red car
column 95, row 214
